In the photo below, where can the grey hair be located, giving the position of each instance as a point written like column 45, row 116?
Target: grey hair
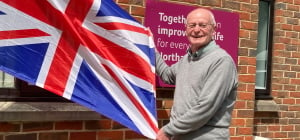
column 212, row 17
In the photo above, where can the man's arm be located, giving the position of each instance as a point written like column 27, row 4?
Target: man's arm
column 166, row 73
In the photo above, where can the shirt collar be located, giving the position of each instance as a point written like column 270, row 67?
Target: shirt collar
column 201, row 50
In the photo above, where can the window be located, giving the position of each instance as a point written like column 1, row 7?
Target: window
column 18, row 97
column 12, row 89
column 6, row 80
column 264, row 49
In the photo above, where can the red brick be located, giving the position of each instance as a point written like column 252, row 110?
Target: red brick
column 244, row 1
column 249, row 137
column 267, row 134
column 237, row 138
column 123, row 1
column 105, row 124
column 37, row 126
column 289, row 101
column 232, row 131
column 190, row 1
column 247, row 78
column 167, row 104
column 249, row 122
column 116, row 125
column 243, row 52
column 21, row 137
column 240, row 105
column 231, row 5
column 286, row 27
column 243, row 69
column 159, row 103
column 278, row 46
column 83, row 136
column 163, row 113
column 252, row 61
column 242, row 87
column 293, row 134
column 125, row 7
column 9, row 127
column 234, row 113
column 295, row 42
column 134, row 135
column 245, row 113
column 287, row 128
column 244, row 130
column 284, row 40
column 249, row 8
column 238, row 122
column 253, row 36
column 250, row 104
column 251, row 88
column 295, row 81
column 76, row 125
column 280, row 134
column 248, row 25
column 110, row 135
column 213, row 3
column 245, row 96
column 53, row 136
column 297, row 101
column 248, row 43
column 137, row 11
column 251, row 69
column 296, row 28
column 274, row 128
column 165, row 93
column 294, row 107
column 101, row 124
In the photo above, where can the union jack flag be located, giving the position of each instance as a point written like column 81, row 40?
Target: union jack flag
column 87, row 51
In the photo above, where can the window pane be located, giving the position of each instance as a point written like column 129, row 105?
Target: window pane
column 6, row 80
column 262, row 48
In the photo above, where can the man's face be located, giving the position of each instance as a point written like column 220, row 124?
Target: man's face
column 199, row 29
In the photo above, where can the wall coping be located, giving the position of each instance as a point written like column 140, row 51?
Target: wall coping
column 60, row 111
column 45, row 111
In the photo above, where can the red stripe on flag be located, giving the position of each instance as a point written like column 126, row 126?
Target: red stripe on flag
column 122, row 26
column 68, row 45
column 121, row 57
column 13, row 34
column 139, row 107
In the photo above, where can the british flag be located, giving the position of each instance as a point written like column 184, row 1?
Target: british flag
column 88, row 51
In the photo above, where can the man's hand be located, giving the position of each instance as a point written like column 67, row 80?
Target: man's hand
column 161, row 135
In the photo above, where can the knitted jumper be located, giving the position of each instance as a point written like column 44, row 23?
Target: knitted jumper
column 205, row 93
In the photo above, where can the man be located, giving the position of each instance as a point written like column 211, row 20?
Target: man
column 205, row 85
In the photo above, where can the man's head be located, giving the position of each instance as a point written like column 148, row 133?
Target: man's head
column 200, row 28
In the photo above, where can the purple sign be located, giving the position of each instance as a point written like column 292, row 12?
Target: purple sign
column 167, row 23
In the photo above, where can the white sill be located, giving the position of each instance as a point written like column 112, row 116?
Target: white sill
column 44, row 111
column 266, row 106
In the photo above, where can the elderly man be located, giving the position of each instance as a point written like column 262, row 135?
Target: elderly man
column 205, row 85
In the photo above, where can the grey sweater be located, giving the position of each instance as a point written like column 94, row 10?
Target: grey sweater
column 205, row 93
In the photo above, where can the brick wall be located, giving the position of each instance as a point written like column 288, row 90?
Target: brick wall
column 104, row 129
column 284, row 124
column 281, row 125
column 242, row 121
